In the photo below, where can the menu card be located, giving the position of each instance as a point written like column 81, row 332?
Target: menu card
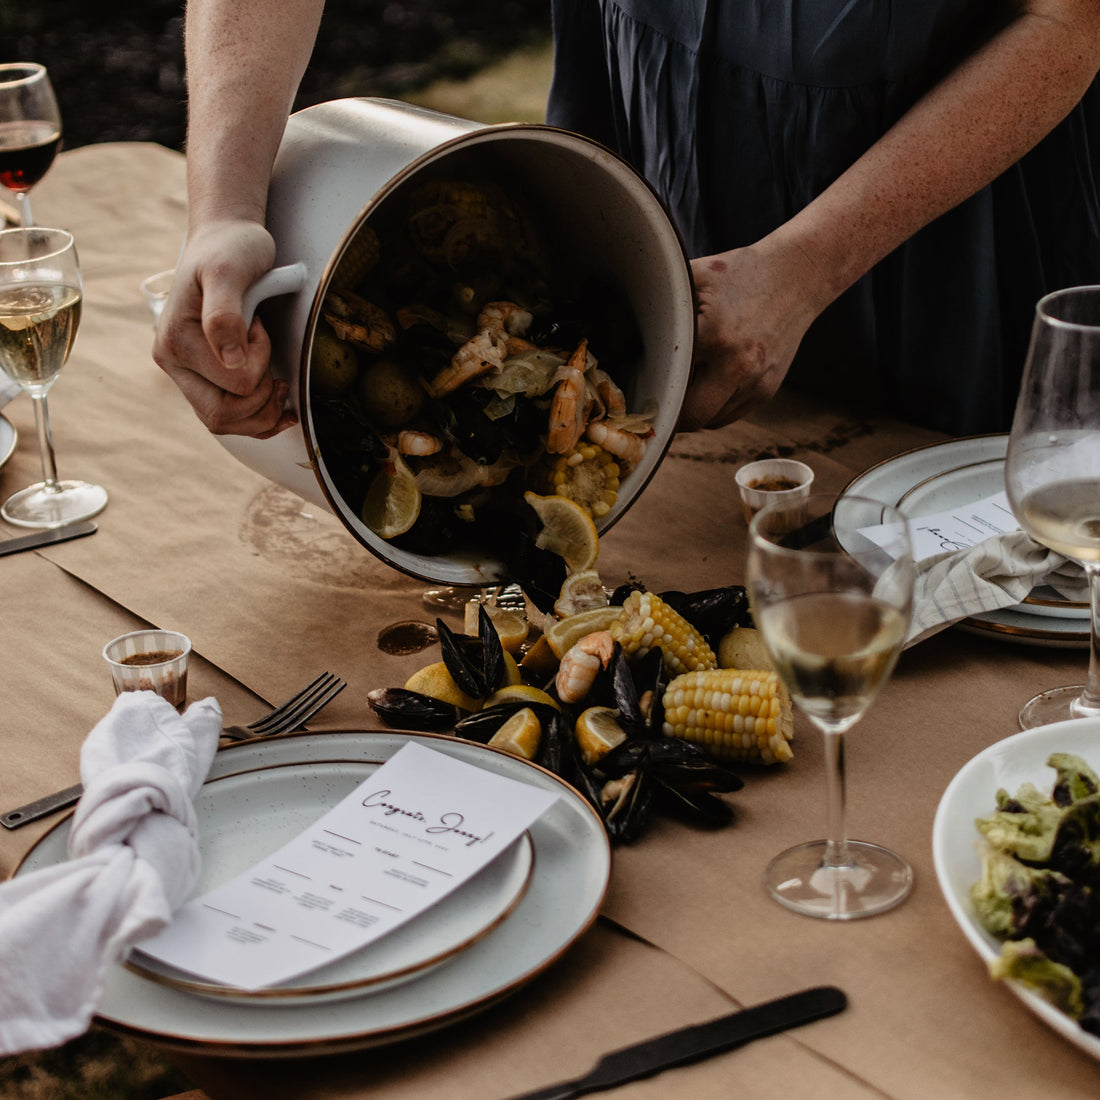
column 956, row 529
column 408, row 836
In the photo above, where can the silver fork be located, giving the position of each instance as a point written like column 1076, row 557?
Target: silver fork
column 288, row 716
column 294, row 713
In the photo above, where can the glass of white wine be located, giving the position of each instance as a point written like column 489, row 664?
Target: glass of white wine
column 40, row 299
column 832, row 588
column 1052, row 470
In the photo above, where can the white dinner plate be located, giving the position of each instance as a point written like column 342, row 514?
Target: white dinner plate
column 955, row 839
column 942, row 476
column 571, row 867
column 245, row 816
column 8, row 439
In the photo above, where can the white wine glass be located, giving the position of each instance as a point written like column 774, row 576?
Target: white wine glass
column 30, row 130
column 831, row 583
column 1052, row 469
column 40, row 301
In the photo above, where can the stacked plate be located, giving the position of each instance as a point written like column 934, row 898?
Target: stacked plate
column 502, row 928
column 943, row 476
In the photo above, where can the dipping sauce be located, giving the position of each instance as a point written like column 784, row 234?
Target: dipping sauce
column 154, row 657
column 774, row 484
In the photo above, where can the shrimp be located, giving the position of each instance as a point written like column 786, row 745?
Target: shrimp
column 581, row 663
column 479, row 355
column 629, row 446
column 502, row 318
column 613, row 398
column 358, row 321
column 570, row 407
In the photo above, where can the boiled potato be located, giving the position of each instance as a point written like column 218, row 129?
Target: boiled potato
column 389, row 395
column 334, row 365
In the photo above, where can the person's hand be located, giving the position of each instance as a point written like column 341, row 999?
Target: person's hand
column 221, row 365
column 754, row 306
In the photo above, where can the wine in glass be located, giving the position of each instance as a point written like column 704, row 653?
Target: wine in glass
column 40, row 300
column 1052, row 470
column 30, row 130
column 832, row 587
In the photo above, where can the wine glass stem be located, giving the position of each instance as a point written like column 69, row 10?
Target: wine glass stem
column 836, row 844
column 1087, row 704
column 23, row 198
column 45, row 442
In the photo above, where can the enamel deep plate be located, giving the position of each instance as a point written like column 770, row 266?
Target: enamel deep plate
column 541, row 903
column 955, row 840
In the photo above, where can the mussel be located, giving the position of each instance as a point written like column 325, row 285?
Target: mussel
column 410, row 710
column 714, row 612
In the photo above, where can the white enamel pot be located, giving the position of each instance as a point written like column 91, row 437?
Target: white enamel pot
column 339, row 160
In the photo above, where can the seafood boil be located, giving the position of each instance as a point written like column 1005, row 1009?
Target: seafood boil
column 460, row 362
column 636, row 713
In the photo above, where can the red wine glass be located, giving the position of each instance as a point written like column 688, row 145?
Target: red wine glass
column 30, row 130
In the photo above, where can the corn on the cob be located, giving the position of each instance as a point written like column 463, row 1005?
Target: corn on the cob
column 589, row 475
column 735, row 714
column 358, row 258
column 647, row 622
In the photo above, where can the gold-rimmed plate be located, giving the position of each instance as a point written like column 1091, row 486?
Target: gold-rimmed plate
column 940, row 476
column 571, row 868
column 246, row 815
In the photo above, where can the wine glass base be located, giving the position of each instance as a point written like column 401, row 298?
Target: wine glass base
column 40, row 506
column 876, row 880
column 1057, row 705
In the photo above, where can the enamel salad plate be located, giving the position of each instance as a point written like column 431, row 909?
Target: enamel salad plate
column 955, row 839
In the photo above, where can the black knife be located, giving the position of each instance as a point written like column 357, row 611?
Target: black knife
column 691, row 1044
column 45, row 538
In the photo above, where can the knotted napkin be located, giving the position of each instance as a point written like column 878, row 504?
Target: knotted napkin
column 134, row 859
column 996, row 573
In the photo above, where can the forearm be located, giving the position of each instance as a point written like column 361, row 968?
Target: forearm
column 244, row 62
column 962, row 134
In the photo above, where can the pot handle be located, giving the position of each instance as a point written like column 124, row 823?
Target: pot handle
column 279, row 280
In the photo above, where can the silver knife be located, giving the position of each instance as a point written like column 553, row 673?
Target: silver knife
column 32, row 811
column 690, row 1044
column 45, row 538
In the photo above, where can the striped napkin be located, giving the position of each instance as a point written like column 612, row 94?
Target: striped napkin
column 996, row 573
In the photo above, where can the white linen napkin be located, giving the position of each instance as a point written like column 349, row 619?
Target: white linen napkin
column 134, row 859
column 998, row 572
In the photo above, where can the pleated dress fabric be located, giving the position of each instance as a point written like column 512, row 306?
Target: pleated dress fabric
column 739, row 112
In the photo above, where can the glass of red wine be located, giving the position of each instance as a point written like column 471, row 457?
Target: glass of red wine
column 30, row 129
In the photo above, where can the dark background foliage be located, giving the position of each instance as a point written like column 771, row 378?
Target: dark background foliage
column 117, row 65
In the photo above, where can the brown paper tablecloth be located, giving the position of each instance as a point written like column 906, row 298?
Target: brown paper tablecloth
column 272, row 590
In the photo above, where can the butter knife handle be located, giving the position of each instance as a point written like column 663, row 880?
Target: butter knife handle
column 32, row 811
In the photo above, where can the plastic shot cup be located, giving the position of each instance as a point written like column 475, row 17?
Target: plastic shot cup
column 156, row 289
column 773, row 481
column 150, row 660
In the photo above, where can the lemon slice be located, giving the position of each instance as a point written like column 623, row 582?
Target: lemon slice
column 580, row 592
column 567, row 530
column 520, row 734
column 598, row 731
column 522, row 693
column 436, row 681
column 392, row 504
column 567, row 632
column 510, row 625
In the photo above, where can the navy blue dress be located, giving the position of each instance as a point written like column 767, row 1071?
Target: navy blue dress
column 739, row 112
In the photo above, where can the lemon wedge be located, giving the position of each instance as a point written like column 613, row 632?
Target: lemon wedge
column 436, row 681
column 598, row 731
column 567, row 530
column 520, row 734
column 567, row 632
column 512, row 626
column 522, row 693
column 392, row 504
